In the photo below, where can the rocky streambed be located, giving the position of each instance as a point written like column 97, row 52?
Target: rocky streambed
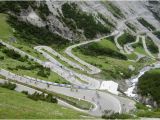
column 132, row 82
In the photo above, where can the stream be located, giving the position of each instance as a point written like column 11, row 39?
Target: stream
column 134, row 80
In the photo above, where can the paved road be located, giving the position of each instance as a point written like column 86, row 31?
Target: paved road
column 21, row 88
column 93, row 69
column 145, row 48
column 101, row 100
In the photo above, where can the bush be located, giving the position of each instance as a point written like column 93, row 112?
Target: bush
column 45, row 72
column 1, row 57
column 8, row 85
column 48, row 98
column 25, row 92
column 97, row 50
column 146, row 24
column 151, row 46
column 11, row 53
column 126, row 38
column 149, row 84
column 111, row 115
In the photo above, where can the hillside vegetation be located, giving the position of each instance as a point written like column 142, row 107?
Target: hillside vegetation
column 149, row 84
column 18, row 106
column 83, row 21
column 105, row 55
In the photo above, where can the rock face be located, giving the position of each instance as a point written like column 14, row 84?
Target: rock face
column 105, row 13
column 147, row 101
column 154, row 7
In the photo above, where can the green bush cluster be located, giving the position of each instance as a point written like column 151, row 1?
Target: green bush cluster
column 131, row 26
column 111, row 115
column 14, row 55
column 1, row 57
column 146, row 24
column 126, row 38
column 157, row 33
column 42, row 71
column 48, row 98
column 45, row 72
column 94, row 49
column 149, row 84
column 151, row 46
column 8, row 85
column 83, row 20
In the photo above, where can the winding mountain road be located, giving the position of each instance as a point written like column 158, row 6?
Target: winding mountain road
column 101, row 100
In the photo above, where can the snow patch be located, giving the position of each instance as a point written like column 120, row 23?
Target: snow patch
column 110, row 86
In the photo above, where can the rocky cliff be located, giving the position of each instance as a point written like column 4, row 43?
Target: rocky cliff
column 86, row 19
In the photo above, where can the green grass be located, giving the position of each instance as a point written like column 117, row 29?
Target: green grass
column 66, row 64
column 143, row 111
column 9, row 62
column 20, row 43
column 138, row 47
column 126, row 38
column 17, row 106
column 112, row 68
column 6, row 30
column 132, row 56
column 103, row 48
column 82, row 104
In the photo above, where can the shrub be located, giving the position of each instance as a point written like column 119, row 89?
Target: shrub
column 45, row 72
column 97, row 50
column 11, row 53
column 1, row 57
column 149, row 84
column 151, row 46
column 8, row 85
column 126, row 38
column 48, row 98
column 111, row 115
column 25, row 92
column 146, row 24
column 34, row 96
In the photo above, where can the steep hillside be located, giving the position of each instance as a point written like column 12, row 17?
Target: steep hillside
column 69, row 19
column 79, row 48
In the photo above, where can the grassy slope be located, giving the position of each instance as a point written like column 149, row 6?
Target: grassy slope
column 111, row 67
column 17, row 105
column 12, row 63
column 126, row 38
column 143, row 111
column 5, row 30
column 5, row 33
